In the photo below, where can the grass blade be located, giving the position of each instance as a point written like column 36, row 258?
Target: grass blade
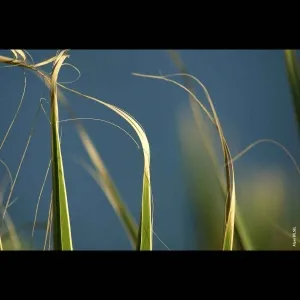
column 240, row 231
column 62, row 238
column 230, row 200
column 145, row 238
column 293, row 73
column 145, row 235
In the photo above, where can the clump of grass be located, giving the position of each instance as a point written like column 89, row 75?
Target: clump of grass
column 141, row 238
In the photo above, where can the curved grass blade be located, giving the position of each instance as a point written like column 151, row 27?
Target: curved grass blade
column 240, row 231
column 230, row 201
column 16, row 113
column 14, row 238
column 145, row 235
column 103, row 178
column 62, row 238
column 107, row 185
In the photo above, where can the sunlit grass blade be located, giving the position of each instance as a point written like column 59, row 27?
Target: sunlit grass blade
column 146, row 234
column 230, row 201
column 145, row 240
column 249, row 147
column 206, row 191
column 62, row 239
column 240, row 231
column 293, row 72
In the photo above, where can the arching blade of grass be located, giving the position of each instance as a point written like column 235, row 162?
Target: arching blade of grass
column 145, row 235
column 62, row 239
column 14, row 180
column 293, row 72
column 104, row 180
column 240, row 231
column 229, row 171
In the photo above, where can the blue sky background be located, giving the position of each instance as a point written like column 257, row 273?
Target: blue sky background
column 250, row 92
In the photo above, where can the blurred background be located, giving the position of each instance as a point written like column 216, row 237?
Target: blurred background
column 252, row 97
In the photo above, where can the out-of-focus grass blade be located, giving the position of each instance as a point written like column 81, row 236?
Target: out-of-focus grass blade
column 12, row 234
column 293, row 72
column 62, row 238
column 145, row 229
column 205, row 189
column 104, row 180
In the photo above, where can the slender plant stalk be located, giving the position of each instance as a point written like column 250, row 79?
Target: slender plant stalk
column 293, row 73
column 145, row 238
column 230, row 200
column 240, row 231
column 62, row 238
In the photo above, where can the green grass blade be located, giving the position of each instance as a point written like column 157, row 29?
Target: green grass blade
column 145, row 240
column 145, row 229
column 230, row 200
column 240, row 231
column 62, row 239
column 12, row 234
column 293, row 74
